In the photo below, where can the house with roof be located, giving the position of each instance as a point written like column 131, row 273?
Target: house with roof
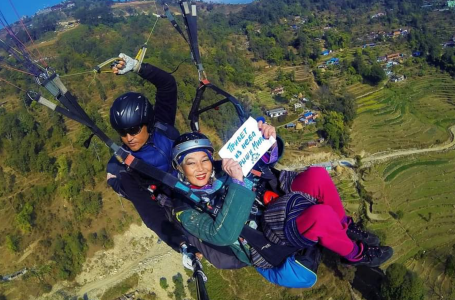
column 378, row 15
column 276, row 112
column 297, row 105
column 289, row 125
column 393, row 56
column 295, row 27
column 333, row 61
column 312, row 144
column 326, row 165
column 326, row 52
column 397, row 78
column 303, row 120
column 278, row 90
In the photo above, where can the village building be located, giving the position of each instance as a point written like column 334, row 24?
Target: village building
column 277, row 91
column 381, row 14
column 397, row 78
column 326, row 52
column 393, row 56
column 327, row 165
column 297, row 106
column 333, row 61
column 276, row 112
column 312, row 144
column 290, row 125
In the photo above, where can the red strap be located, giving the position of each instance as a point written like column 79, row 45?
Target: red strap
column 256, row 173
column 129, row 160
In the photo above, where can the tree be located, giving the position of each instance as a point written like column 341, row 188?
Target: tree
column 12, row 243
column 400, row 283
column 376, row 74
column 450, row 266
column 399, row 215
column 179, row 289
column 334, row 130
column 25, row 218
column 163, row 283
column 69, row 254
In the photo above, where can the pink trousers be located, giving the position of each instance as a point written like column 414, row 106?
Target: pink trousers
column 325, row 222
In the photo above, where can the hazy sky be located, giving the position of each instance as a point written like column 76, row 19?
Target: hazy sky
column 24, row 7
column 29, row 7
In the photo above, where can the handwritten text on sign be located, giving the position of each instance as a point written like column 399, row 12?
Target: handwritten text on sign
column 247, row 145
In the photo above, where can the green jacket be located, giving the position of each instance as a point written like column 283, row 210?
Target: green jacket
column 225, row 229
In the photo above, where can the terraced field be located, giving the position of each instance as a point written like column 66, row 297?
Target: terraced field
column 422, row 188
column 412, row 114
column 349, row 194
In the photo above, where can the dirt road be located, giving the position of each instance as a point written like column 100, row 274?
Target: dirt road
column 135, row 252
column 381, row 156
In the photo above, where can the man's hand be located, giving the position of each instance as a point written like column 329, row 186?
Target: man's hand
column 126, row 64
column 189, row 253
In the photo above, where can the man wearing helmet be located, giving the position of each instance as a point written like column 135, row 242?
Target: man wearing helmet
column 148, row 133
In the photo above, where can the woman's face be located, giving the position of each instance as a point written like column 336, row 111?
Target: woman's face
column 197, row 168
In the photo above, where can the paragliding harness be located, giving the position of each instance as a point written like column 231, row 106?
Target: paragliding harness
column 50, row 80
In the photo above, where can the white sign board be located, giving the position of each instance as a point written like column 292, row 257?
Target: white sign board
column 247, row 145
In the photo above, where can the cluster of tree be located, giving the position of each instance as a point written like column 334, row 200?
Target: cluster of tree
column 69, row 254
column 179, row 288
column 101, row 238
column 339, row 112
column 400, row 283
column 7, row 181
column 38, row 26
column 430, row 48
column 23, row 140
column 336, row 40
column 287, row 81
column 372, row 73
column 94, row 12
column 450, row 266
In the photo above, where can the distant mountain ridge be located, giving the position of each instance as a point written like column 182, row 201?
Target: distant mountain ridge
column 230, row 1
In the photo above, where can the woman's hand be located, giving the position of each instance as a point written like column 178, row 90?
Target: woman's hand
column 267, row 130
column 232, row 168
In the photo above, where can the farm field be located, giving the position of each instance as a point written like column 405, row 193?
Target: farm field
column 422, row 189
column 411, row 114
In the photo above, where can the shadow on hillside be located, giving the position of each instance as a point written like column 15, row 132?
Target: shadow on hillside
column 366, row 281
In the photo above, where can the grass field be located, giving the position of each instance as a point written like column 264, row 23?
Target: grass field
column 412, row 114
column 422, row 188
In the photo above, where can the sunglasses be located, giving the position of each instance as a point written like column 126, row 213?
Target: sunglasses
column 135, row 130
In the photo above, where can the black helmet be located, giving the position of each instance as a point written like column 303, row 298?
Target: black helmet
column 187, row 143
column 129, row 110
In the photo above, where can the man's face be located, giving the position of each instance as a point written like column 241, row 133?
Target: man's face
column 136, row 141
